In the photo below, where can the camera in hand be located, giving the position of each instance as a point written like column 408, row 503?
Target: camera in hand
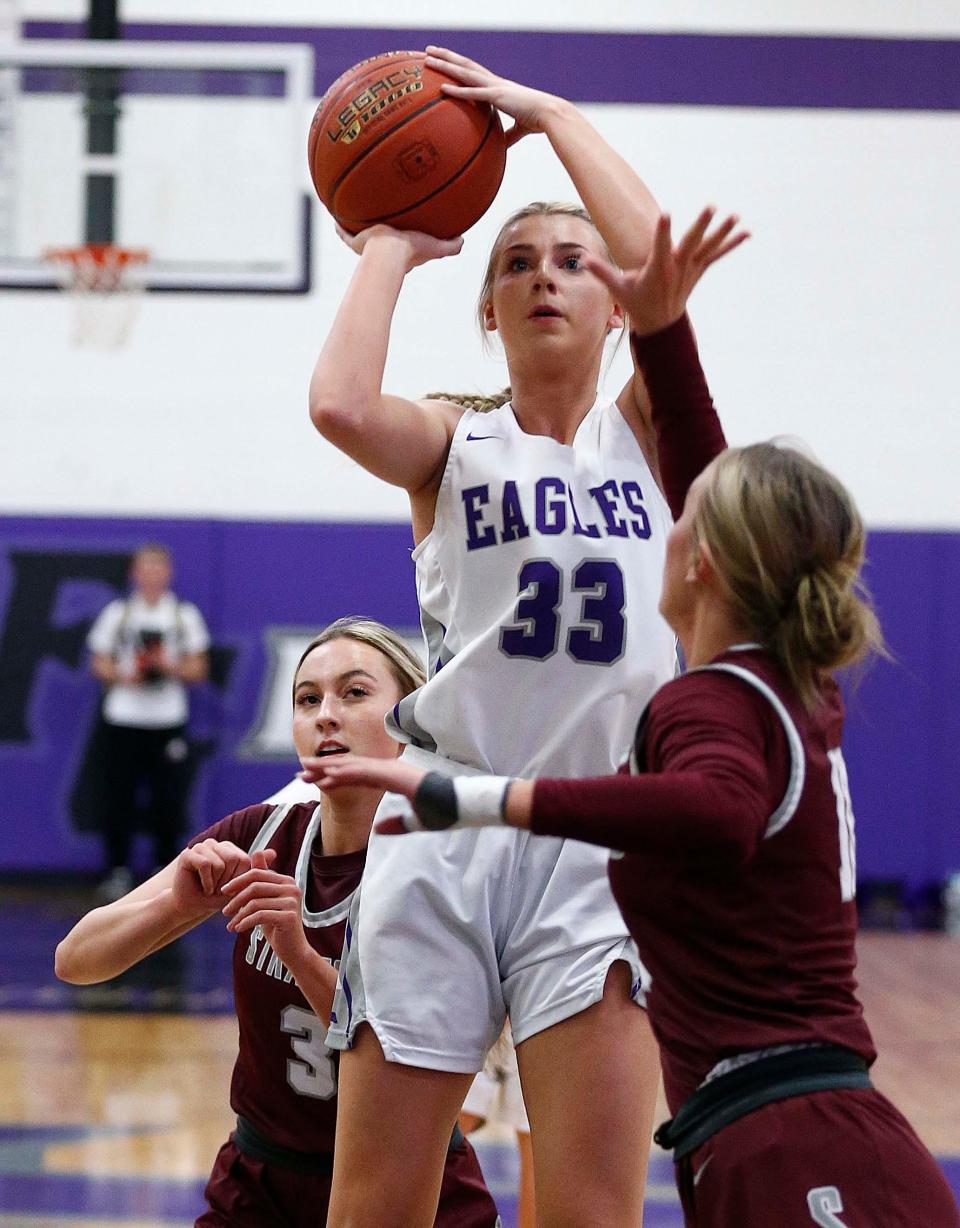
column 148, row 656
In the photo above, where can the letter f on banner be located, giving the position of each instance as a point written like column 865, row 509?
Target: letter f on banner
column 30, row 634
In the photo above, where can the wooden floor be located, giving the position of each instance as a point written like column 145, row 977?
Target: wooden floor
column 910, row 988
column 115, row 1096
column 156, row 1086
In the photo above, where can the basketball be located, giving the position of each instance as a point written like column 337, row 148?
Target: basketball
column 386, row 145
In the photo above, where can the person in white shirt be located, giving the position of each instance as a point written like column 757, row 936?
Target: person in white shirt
column 146, row 649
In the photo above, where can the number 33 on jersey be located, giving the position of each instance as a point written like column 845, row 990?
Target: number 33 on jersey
column 540, row 551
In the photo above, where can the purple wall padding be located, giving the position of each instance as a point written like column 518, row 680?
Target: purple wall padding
column 728, row 70
column 55, row 574
column 903, row 725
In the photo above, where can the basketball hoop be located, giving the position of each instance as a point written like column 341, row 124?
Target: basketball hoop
column 105, row 284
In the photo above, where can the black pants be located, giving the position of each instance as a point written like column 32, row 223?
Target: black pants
column 144, row 780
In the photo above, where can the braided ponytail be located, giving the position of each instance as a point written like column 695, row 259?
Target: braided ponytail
column 482, row 404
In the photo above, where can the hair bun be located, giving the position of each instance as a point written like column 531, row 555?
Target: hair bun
column 786, row 538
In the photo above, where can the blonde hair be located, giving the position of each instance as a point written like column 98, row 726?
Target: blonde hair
column 536, row 208
column 482, row 404
column 405, row 666
column 788, row 543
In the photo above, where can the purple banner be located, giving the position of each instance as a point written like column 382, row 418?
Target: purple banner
column 724, row 70
column 261, row 585
column 903, row 722
column 209, row 82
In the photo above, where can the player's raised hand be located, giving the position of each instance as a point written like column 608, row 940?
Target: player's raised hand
column 656, row 295
column 203, row 870
column 273, row 901
column 418, row 248
column 468, row 79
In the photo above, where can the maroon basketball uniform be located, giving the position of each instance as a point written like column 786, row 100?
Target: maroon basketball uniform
column 275, row 1171
column 737, row 882
column 247, row 1193
column 839, row 1159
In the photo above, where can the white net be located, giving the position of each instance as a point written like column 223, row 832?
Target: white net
column 105, row 286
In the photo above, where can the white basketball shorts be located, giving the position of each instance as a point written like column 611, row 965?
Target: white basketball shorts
column 451, row 932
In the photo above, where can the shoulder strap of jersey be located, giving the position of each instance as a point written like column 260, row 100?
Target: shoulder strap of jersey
column 327, row 916
column 313, row 920
column 270, row 825
column 798, row 764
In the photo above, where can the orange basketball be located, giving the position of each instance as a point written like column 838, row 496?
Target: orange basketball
column 387, row 146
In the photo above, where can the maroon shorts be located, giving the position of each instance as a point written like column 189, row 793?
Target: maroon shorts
column 246, row 1193
column 465, row 1201
column 838, row 1159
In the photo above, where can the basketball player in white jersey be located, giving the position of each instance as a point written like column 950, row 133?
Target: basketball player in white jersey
column 540, row 532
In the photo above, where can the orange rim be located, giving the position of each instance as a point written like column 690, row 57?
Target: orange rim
column 99, row 253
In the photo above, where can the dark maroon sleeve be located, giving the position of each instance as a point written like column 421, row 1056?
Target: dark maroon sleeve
column 689, row 434
column 240, row 828
column 718, row 767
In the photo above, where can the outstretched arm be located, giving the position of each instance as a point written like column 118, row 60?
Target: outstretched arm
column 111, row 939
column 716, row 809
column 685, row 423
column 687, row 429
column 620, row 203
column 715, row 786
column 403, row 442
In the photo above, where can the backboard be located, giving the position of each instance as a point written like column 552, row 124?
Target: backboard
column 194, row 152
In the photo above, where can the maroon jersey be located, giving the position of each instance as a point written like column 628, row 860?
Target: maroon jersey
column 737, row 880
column 284, row 1080
column 689, row 434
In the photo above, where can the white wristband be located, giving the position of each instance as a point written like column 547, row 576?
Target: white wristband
column 444, row 801
column 480, row 800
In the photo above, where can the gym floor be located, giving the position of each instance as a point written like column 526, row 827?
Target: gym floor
column 114, row 1098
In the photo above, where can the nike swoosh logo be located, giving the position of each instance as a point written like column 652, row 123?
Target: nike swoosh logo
column 473, row 437
column 701, row 1170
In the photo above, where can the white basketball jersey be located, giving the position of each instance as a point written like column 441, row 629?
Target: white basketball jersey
column 538, row 588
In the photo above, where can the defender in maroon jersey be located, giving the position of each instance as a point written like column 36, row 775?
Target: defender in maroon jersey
column 285, row 876
column 284, row 1083
column 736, row 866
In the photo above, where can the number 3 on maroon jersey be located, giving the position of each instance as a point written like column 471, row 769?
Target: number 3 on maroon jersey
column 823, row 1201
column 315, row 1074
column 848, row 846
